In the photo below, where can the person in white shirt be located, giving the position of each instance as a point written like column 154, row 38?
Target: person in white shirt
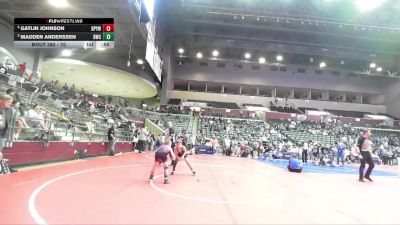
column 304, row 153
column 142, row 140
column 35, row 117
column 365, row 149
column 227, row 145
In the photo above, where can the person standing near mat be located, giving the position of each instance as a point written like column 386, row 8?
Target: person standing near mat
column 7, row 124
column 181, row 152
column 171, row 133
column 365, row 147
column 111, row 139
column 161, row 157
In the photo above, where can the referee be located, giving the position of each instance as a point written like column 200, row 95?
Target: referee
column 365, row 147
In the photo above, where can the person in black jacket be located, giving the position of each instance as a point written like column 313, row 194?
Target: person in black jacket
column 111, row 140
column 365, row 147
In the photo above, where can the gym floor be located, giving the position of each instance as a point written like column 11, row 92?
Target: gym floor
column 225, row 190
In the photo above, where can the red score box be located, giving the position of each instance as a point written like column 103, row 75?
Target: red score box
column 108, row 27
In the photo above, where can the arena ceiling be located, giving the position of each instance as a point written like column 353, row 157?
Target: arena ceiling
column 341, row 33
column 97, row 79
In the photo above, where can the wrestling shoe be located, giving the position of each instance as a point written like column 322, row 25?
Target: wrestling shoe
column 369, row 178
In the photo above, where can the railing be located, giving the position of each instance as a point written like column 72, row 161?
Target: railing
column 54, row 129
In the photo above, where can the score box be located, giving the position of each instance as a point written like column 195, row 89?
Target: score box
column 108, row 27
column 108, row 36
column 104, row 44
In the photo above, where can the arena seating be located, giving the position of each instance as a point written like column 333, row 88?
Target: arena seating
column 180, row 122
column 235, row 129
column 284, row 109
column 305, row 131
column 223, row 105
column 347, row 113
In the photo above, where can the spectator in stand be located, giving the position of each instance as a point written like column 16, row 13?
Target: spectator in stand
column 13, row 94
column 29, row 77
column 72, row 90
column 64, row 114
column 19, row 121
column 6, row 120
column 65, row 87
column 36, row 117
column 22, row 68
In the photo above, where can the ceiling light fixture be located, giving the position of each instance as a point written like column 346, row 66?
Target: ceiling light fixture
column 322, row 65
column 261, row 60
column 279, row 58
column 215, row 53
column 139, row 61
column 66, row 53
column 365, row 6
column 372, row 65
column 59, row 3
column 247, row 55
column 181, row 50
column 379, row 69
column 199, row 55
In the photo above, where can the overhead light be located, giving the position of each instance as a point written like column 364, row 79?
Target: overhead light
column 322, row 65
column 342, row 62
column 372, row 65
column 367, row 5
column 379, row 69
column 181, row 51
column 279, row 58
column 59, row 3
column 311, row 59
column 139, row 61
column 261, row 60
column 199, row 55
column 215, row 53
column 66, row 53
column 247, row 55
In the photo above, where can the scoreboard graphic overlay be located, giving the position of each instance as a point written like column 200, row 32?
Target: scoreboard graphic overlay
column 64, row 32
